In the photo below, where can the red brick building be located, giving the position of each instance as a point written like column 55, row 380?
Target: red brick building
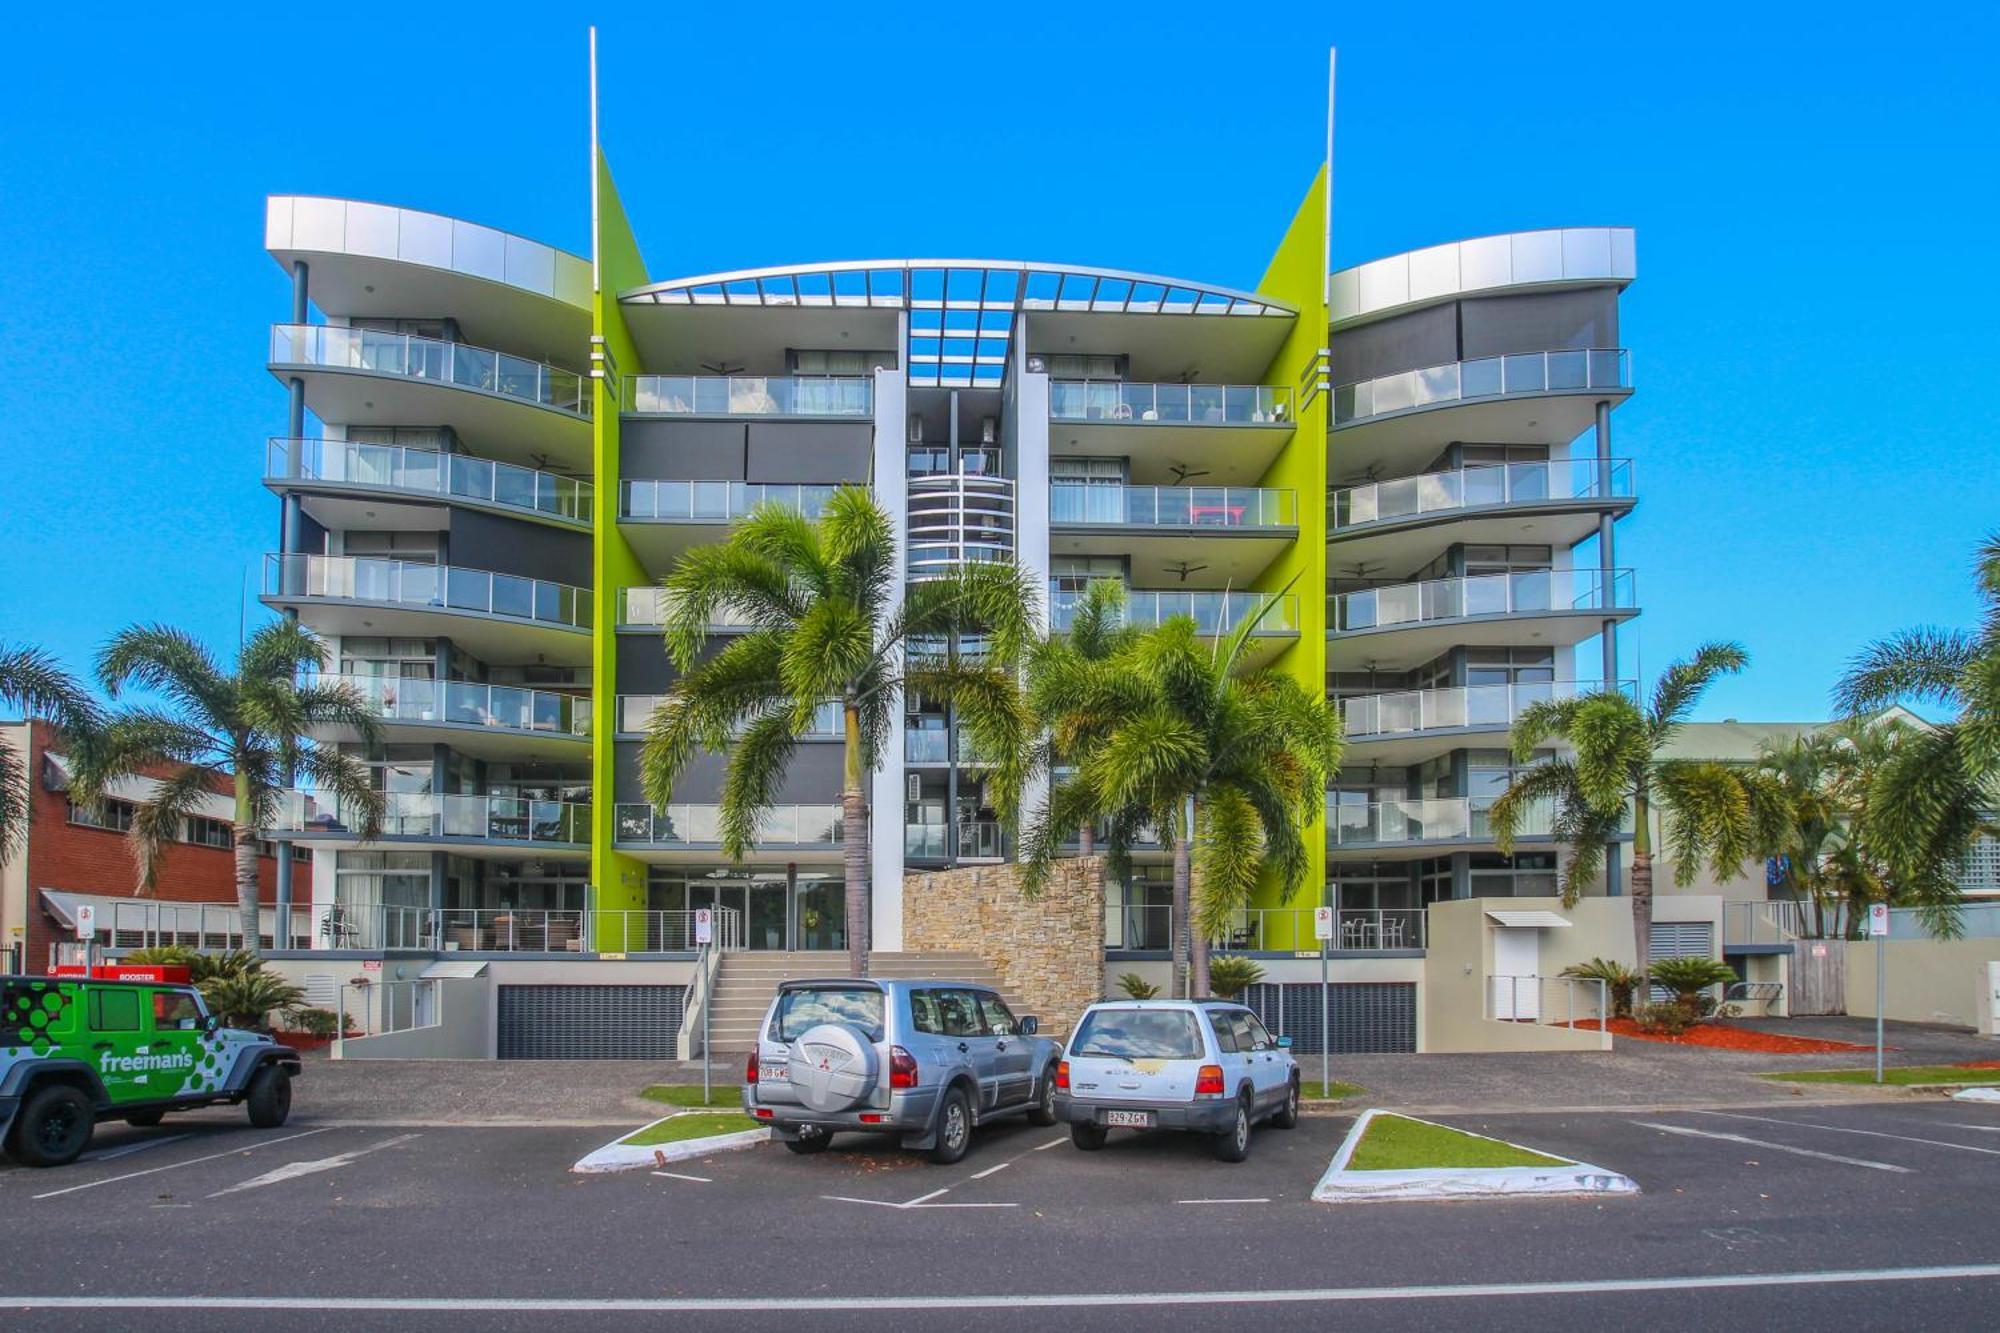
column 71, row 857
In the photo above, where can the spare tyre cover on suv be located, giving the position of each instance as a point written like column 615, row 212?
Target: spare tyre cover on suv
column 832, row 1067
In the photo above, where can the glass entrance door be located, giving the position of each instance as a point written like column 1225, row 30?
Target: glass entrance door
column 821, row 920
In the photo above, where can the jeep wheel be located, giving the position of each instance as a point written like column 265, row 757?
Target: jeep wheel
column 1233, row 1144
column 1089, row 1138
column 954, row 1128
column 53, row 1127
column 1288, row 1116
column 1044, row 1112
column 145, row 1119
column 270, row 1097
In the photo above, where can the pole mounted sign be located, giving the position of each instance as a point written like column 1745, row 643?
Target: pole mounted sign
column 1322, row 923
column 1878, row 930
column 1878, row 919
column 704, row 925
column 86, row 921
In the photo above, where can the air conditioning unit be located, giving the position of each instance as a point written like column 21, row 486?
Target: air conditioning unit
column 989, row 430
column 1038, row 365
column 916, row 788
column 916, row 429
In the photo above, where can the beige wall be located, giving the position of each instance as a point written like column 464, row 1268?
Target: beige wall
column 465, row 1028
column 1048, row 950
column 1927, row 981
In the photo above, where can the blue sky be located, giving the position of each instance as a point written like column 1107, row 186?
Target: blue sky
column 1814, row 198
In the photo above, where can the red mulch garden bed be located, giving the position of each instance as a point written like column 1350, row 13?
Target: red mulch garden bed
column 1727, row 1037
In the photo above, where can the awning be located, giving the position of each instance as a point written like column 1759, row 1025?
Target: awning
column 1530, row 920
column 452, row 969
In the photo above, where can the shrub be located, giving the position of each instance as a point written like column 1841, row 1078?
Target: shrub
column 163, row 955
column 246, row 1001
column 1690, row 979
column 1665, row 1019
column 1137, row 987
column 1230, row 976
column 316, row 1022
column 1620, row 980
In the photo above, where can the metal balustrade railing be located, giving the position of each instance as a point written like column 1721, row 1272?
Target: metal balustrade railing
column 1183, row 404
column 1409, row 712
column 1755, row 923
column 959, row 518
column 1579, row 370
column 701, row 825
column 751, row 395
column 424, row 472
column 1150, row 926
column 380, row 926
column 1480, row 487
column 407, row 356
column 430, row 815
column 717, row 501
column 1523, row 592
column 461, row 703
column 205, row 927
column 1196, row 507
column 413, row 584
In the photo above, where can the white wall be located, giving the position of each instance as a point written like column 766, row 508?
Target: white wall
column 886, row 802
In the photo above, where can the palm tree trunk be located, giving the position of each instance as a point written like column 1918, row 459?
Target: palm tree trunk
column 1183, row 913
column 245, row 835
column 1642, row 894
column 1086, row 840
column 854, row 846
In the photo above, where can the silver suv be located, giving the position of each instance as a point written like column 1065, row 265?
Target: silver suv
column 923, row 1060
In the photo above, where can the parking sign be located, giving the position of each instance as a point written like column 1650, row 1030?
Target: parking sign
column 86, row 921
column 1878, row 918
column 1322, row 923
column 704, row 925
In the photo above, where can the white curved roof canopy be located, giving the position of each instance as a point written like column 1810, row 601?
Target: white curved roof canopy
column 1563, row 256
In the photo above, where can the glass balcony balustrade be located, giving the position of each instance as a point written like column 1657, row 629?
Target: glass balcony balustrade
column 646, row 608
column 1580, row 370
column 1421, row 820
column 1212, row 612
column 978, row 840
column 422, row 472
column 717, row 501
column 1176, row 404
column 1409, row 712
column 751, row 395
column 410, row 815
column 407, row 356
column 1523, row 593
column 1195, row 507
column 432, row 587
column 1479, row 488
column 465, row 704
column 635, row 716
column 701, row 825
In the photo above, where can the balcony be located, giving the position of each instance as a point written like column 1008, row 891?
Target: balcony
column 1215, row 614
column 958, row 519
column 931, row 747
column 635, row 718
column 1251, row 526
column 644, row 610
column 1407, row 726
column 454, row 822
column 1407, row 624
column 1557, row 257
column 1398, row 423
column 496, row 617
column 784, row 830
column 507, row 406
column 487, row 721
column 811, row 396
column 1233, row 431
column 1148, row 928
column 379, row 926
column 1449, row 823
column 977, row 840
column 1555, row 503
column 663, row 520
column 333, row 473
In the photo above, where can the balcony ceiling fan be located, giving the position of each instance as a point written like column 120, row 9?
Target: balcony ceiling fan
column 1183, row 569
column 721, row 368
column 1182, row 472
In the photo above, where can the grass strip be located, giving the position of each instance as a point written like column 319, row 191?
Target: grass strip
column 689, row 1094
column 1905, row 1076
column 1336, row 1091
column 1395, row 1143
column 680, row 1128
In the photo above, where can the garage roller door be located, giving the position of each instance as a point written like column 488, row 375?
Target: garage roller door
column 1374, row 1016
column 590, row 1022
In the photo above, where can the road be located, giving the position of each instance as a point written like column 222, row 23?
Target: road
column 1842, row 1216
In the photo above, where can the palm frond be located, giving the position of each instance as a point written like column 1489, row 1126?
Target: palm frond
column 161, row 818
column 1683, row 683
column 1925, row 665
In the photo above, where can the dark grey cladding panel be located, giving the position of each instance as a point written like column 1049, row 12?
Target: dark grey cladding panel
column 1402, row 342
column 681, row 450
column 1540, row 321
column 814, row 451
column 516, row 546
column 812, row 779
column 643, row 667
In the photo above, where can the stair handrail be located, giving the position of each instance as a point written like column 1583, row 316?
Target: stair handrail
column 692, row 1039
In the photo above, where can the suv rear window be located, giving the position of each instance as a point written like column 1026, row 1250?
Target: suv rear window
column 805, row 1008
column 1139, row 1034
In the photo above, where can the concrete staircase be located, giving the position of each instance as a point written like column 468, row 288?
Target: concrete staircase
column 747, row 981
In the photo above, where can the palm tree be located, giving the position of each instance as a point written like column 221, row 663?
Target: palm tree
column 820, row 600
column 1713, row 813
column 34, row 682
column 1823, row 781
column 1097, row 632
column 246, row 731
column 1229, row 767
column 1936, row 795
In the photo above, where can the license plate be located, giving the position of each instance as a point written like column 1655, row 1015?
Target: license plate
column 1129, row 1119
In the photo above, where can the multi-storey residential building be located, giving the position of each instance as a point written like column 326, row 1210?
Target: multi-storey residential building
column 495, row 451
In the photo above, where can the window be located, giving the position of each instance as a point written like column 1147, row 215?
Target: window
column 1139, row 1034
column 1239, row 1023
column 1260, row 1036
column 1225, row 1035
column 958, row 1014
column 999, row 1021
column 175, row 1011
column 205, row 832
column 115, row 816
column 808, row 1007
column 924, row 1012
column 114, row 1010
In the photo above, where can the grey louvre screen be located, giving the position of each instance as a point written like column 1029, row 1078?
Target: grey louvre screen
column 1679, row 939
column 1368, row 1016
column 590, row 1022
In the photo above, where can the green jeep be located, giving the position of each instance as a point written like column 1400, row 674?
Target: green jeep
column 76, row 1052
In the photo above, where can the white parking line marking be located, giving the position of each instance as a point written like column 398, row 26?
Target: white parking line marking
column 913, row 1204
column 981, row 1175
column 1266, row 1200
column 1774, row 1147
column 293, row 1170
column 1842, row 1129
column 175, row 1166
column 675, row 1175
column 872, row 1203
column 1984, row 1129
column 113, row 1154
column 1052, row 1143
column 1023, row 1300
column 925, row 1198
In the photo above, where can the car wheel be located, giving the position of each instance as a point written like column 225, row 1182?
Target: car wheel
column 1044, row 1112
column 1087, row 1137
column 1233, row 1144
column 1288, row 1116
column 270, row 1097
column 806, row 1147
column 53, row 1127
column 954, row 1128
column 145, row 1119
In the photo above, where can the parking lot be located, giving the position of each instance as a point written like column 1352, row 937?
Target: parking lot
column 202, row 1210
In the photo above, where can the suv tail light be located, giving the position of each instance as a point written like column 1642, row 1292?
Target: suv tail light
column 750, row 1070
column 1062, row 1074
column 1208, row 1081
column 903, row 1068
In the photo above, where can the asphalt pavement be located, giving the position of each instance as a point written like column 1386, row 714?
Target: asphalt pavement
column 1853, row 1215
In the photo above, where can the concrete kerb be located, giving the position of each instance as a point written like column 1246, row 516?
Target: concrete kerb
column 621, row 1156
column 1342, row 1185
column 1977, row 1095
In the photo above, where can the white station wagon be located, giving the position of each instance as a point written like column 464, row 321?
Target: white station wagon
column 1202, row 1065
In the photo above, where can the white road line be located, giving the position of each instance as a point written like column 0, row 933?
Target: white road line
column 1222, row 1200
column 1984, row 1129
column 113, row 1154
column 1034, row 1300
column 925, row 1198
column 1052, row 1143
column 1842, row 1129
column 675, row 1175
column 293, row 1170
column 175, row 1166
column 872, row 1203
column 981, row 1175
column 913, row 1204
column 1774, row 1147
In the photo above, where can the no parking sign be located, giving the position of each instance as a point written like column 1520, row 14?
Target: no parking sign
column 704, row 925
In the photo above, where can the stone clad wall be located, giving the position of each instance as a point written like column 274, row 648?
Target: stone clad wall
column 1048, row 950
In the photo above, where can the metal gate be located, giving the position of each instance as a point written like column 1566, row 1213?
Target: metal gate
column 1368, row 1016
column 590, row 1022
column 1818, row 977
